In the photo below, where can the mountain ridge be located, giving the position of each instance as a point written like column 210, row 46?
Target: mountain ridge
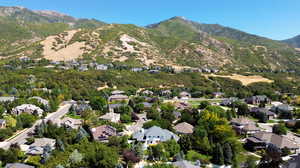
column 294, row 41
column 174, row 42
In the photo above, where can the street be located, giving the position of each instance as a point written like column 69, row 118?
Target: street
column 21, row 138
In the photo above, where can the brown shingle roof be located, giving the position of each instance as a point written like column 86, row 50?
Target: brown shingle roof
column 184, row 128
column 279, row 141
column 103, row 132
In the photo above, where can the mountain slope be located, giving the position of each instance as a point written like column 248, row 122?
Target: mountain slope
column 250, row 50
column 175, row 42
column 21, row 28
column 294, row 42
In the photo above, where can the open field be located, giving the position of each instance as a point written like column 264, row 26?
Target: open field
column 246, row 80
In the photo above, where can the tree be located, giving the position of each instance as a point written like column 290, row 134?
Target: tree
column 251, row 162
column 185, row 143
column 172, row 147
column 279, row 129
column 25, row 120
column 228, row 155
column 125, row 118
column 157, row 153
column 75, row 157
column 243, row 110
column 203, row 105
column 218, row 156
column 262, row 117
column 98, row 103
column 10, row 121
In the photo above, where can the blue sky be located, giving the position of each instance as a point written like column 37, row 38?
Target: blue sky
column 276, row 19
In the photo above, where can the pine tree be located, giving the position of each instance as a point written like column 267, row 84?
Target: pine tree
column 218, row 156
column 228, row 155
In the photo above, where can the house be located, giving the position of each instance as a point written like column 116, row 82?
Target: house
column 184, row 128
column 102, row 133
column 261, row 140
column 181, row 105
column 37, row 148
column 147, row 92
column 292, row 163
column 258, row 99
column 256, row 111
column 2, row 123
column 283, row 108
column 71, row 122
column 136, row 69
column 154, row 135
column 147, row 105
column 112, row 117
column 217, row 94
column 41, row 100
column 17, row 165
column 229, row 101
column 117, row 92
column 186, row 164
column 27, row 108
column 80, row 107
column 118, row 97
column 184, row 95
column 7, row 99
column 244, row 126
column 166, row 92
column 83, row 67
column 101, row 67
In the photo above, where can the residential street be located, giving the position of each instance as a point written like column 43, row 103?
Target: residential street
column 21, row 138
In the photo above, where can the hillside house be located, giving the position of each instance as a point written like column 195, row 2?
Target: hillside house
column 71, row 122
column 7, row 99
column 184, row 95
column 244, row 126
column 102, row 133
column 154, row 135
column 27, row 108
column 261, row 140
column 17, row 165
column 256, row 100
column 112, row 117
column 254, row 111
column 37, row 148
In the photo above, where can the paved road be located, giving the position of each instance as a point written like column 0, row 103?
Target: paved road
column 21, row 138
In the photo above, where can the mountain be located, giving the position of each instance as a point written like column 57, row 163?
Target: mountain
column 20, row 27
column 294, row 42
column 175, row 42
column 245, row 49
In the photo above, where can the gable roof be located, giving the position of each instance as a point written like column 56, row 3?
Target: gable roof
column 17, row 165
column 242, row 121
column 184, row 164
column 103, row 132
column 279, row 141
column 155, row 132
column 41, row 142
